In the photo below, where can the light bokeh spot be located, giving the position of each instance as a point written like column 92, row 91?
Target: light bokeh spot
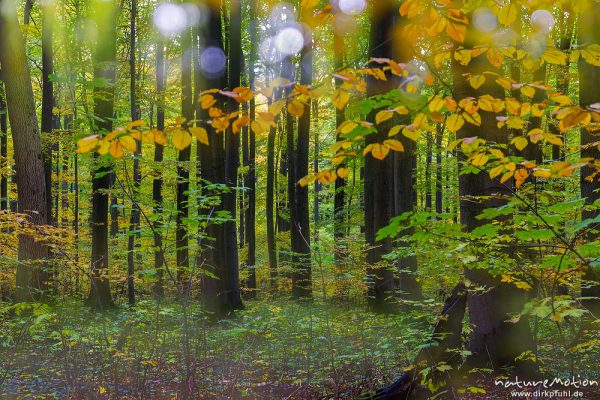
column 484, row 20
column 170, row 19
column 289, row 40
column 213, row 61
column 352, row 7
column 542, row 20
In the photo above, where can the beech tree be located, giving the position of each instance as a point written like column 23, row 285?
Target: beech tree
column 31, row 276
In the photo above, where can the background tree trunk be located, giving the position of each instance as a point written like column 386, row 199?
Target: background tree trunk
column 157, row 182
column 104, row 72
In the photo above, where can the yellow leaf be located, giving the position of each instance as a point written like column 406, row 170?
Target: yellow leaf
column 342, row 172
column 554, row 139
column 87, row 144
column 520, row 175
column 494, row 172
column 438, row 26
column 402, row 110
column 542, row 173
column 561, row 100
column 450, row 103
column 128, row 142
column 394, row 131
column 591, row 54
column 508, row 14
column 101, row 390
column 476, row 81
column 474, row 119
column 411, row 133
column 463, row 56
column 340, row 99
column 215, row 112
column 554, row 56
column 346, row 127
column 200, row 134
column 220, row 124
column 379, row 151
column 295, row 108
column 520, row 142
column 436, row 103
column 148, row 136
column 456, row 31
column 181, row 139
column 244, row 94
column 326, row 177
column 207, row 101
column 103, row 147
column 383, row 115
column 506, row 176
column 160, row 138
column 115, row 149
column 134, row 124
column 528, row 91
column 394, row 144
column 479, row 159
column 455, row 122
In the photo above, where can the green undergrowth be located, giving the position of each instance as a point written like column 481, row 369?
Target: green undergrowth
column 273, row 349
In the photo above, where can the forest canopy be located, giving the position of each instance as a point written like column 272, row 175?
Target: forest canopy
column 309, row 199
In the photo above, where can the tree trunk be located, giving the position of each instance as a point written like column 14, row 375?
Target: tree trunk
column 3, row 149
column 31, row 187
column 270, row 191
column 157, row 182
column 378, row 174
column 589, row 82
column 134, row 219
column 494, row 342
column 340, row 248
column 250, row 178
column 439, row 136
column 232, row 143
column 300, row 217
column 104, row 73
column 48, row 103
column 183, row 159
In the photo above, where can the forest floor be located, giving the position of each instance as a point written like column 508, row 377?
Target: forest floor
column 274, row 349
column 271, row 350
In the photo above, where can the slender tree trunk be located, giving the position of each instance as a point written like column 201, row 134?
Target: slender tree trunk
column 183, row 159
column 316, row 211
column 48, row 102
column 3, row 149
column 300, row 217
column 339, row 213
column 428, row 161
column 250, row 179
column 439, row 136
column 157, row 182
column 589, row 82
column 134, row 219
column 31, row 279
column 232, row 144
column 270, row 191
column 104, row 72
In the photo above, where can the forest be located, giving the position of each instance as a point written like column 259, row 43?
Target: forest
column 313, row 199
